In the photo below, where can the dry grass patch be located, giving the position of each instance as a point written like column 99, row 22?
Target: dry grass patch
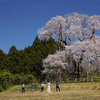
column 69, row 91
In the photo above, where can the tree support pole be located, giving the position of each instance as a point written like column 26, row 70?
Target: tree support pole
column 76, row 69
column 87, row 71
column 79, row 69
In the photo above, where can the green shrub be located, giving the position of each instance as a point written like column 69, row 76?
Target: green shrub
column 27, row 79
column 16, row 79
column 1, row 88
column 4, row 79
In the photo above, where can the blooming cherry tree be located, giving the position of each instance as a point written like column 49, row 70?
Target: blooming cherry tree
column 53, row 62
column 88, row 51
column 53, row 28
column 94, row 24
column 84, row 49
column 76, row 26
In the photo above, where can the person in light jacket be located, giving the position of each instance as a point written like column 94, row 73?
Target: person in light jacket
column 48, row 87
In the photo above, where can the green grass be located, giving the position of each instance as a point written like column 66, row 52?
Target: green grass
column 69, row 91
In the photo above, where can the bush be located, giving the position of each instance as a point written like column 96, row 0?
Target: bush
column 4, row 79
column 16, row 79
column 1, row 88
column 30, row 78
column 27, row 79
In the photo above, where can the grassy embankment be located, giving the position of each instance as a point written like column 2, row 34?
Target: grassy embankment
column 69, row 91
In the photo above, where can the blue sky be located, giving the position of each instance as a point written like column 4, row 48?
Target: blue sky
column 20, row 19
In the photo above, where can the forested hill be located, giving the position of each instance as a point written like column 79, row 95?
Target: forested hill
column 29, row 60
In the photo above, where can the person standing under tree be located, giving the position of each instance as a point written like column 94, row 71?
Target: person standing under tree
column 57, row 86
column 23, row 88
column 42, row 87
column 48, row 86
column 32, row 87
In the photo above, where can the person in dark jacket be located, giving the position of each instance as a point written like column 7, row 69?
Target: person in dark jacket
column 42, row 87
column 57, row 86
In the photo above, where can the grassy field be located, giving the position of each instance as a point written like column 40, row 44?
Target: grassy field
column 69, row 91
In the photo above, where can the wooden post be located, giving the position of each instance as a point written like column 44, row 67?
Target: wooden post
column 87, row 71
column 60, row 36
column 71, row 65
column 99, row 73
column 91, row 69
column 57, row 73
column 79, row 69
column 69, row 72
column 76, row 69
column 87, row 74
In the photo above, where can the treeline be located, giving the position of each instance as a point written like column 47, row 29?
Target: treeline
column 24, row 66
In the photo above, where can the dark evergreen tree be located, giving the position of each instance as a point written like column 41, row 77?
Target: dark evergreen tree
column 28, row 62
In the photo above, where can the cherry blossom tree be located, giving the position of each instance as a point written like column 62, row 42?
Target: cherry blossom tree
column 88, row 51
column 76, row 26
column 73, row 25
column 53, row 28
column 85, row 48
column 53, row 63
column 94, row 25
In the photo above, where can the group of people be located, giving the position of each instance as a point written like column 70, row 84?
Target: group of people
column 42, row 87
column 48, row 86
column 23, row 88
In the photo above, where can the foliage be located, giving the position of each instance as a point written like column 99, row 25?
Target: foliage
column 1, row 88
column 24, row 66
column 82, row 56
column 4, row 79
column 84, row 53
